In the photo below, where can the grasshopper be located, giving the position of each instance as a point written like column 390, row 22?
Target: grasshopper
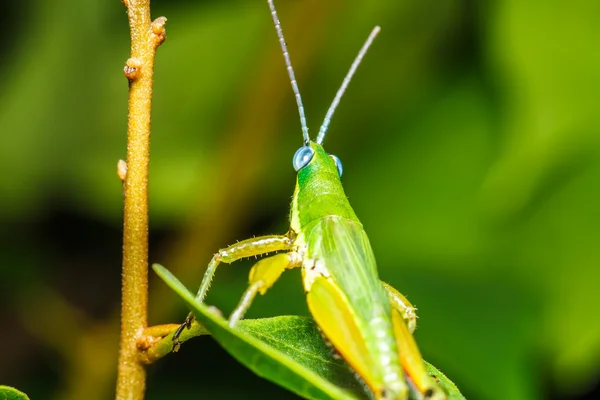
column 368, row 322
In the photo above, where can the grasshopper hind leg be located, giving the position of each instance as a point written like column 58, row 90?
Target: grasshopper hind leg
column 404, row 319
column 403, row 306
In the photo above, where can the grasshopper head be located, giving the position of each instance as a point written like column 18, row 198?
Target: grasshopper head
column 314, row 151
column 319, row 191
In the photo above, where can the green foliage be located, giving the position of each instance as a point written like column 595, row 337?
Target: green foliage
column 469, row 139
column 10, row 393
column 287, row 350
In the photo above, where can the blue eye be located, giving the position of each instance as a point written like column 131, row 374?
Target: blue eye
column 302, row 157
column 338, row 164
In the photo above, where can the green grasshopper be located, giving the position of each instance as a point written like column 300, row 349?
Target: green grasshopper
column 368, row 322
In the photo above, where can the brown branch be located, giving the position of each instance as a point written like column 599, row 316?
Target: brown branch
column 157, row 341
column 146, row 36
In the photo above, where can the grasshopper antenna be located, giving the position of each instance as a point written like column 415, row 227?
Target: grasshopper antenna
column 290, row 70
column 342, row 89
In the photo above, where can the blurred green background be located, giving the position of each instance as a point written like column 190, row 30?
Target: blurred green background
column 469, row 138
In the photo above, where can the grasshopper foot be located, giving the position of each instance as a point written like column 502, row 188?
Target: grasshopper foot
column 186, row 324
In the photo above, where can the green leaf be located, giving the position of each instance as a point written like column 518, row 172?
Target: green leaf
column 446, row 384
column 287, row 350
column 300, row 339
column 262, row 359
column 10, row 393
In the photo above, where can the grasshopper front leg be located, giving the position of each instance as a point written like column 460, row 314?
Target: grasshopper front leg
column 246, row 248
column 262, row 276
